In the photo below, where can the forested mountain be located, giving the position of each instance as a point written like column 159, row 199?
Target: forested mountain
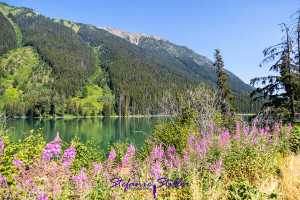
column 57, row 67
column 181, row 58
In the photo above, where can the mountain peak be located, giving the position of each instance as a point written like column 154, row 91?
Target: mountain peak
column 134, row 38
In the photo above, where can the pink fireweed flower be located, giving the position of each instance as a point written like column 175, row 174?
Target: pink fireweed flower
column 1, row 146
column 192, row 137
column 131, row 150
column 263, row 150
column 117, row 170
column 69, row 154
column 290, row 126
column 53, row 168
column 105, row 174
column 177, row 161
column 17, row 163
column 189, row 141
column 268, row 129
column 202, row 133
column 1, row 143
column 96, row 167
column 255, row 120
column 156, row 170
column 125, row 160
column 136, row 165
column 219, row 129
column 2, row 180
column 237, row 128
column 203, row 142
column 197, row 145
column 270, row 141
column 261, row 131
column 223, row 138
column 171, row 150
column 245, row 131
column 186, row 160
column 42, row 197
column 81, row 177
column 51, row 150
column 199, row 151
column 276, row 128
column 158, row 152
column 280, row 121
column 112, row 155
column 254, row 142
column 217, row 167
column 83, row 169
column 66, row 163
column 211, row 129
column 184, row 151
column 208, row 165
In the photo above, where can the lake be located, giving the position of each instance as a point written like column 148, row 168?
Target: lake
column 103, row 130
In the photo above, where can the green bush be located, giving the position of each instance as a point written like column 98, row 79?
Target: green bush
column 86, row 154
column 242, row 190
column 175, row 133
column 295, row 139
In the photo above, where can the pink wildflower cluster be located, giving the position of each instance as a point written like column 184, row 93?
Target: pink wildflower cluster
column 156, row 171
column 217, row 168
column 42, row 197
column 69, row 155
column 1, row 146
column 96, row 167
column 81, row 176
column 157, row 152
column 223, row 139
column 17, row 163
column 51, row 150
column 112, row 155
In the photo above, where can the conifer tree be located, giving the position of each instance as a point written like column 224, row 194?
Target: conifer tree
column 226, row 94
column 280, row 90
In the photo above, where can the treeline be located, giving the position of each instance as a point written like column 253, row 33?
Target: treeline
column 51, row 103
column 7, row 35
column 71, row 59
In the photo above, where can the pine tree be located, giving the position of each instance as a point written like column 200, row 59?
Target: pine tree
column 106, row 110
column 80, row 111
column 226, row 94
column 280, row 89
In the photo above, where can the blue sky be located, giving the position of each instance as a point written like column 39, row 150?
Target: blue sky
column 241, row 29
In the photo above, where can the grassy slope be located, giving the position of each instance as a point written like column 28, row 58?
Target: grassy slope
column 21, row 60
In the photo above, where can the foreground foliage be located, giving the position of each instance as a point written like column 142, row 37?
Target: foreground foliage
column 216, row 164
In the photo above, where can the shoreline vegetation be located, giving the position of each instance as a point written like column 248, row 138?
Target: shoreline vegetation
column 63, row 117
column 128, row 116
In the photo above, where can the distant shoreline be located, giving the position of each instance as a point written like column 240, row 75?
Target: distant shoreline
column 73, row 117
column 115, row 116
